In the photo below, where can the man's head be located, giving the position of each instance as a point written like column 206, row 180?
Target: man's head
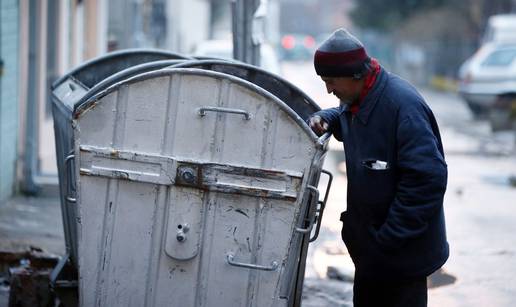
column 342, row 62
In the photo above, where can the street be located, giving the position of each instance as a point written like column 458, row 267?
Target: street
column 480, row 208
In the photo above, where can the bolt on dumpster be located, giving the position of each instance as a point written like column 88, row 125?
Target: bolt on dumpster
column 185, row 183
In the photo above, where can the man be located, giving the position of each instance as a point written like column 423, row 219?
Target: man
column 394, row 223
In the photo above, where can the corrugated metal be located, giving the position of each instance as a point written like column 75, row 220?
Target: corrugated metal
column 165, row 194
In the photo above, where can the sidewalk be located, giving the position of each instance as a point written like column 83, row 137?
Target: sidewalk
column 27, row 222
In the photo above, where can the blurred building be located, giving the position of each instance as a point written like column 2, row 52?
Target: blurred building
column 52, row 37
column 158, row 24
column 40, row 40
column 314, row 17
column 8, row 95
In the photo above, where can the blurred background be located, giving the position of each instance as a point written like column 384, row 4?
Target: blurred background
column 461, row 54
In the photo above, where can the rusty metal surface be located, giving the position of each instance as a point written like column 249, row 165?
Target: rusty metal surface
column 26, row 275
column 141, row 167
column 30, row 288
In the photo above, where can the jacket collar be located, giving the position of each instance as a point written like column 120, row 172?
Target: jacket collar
column 368, row 104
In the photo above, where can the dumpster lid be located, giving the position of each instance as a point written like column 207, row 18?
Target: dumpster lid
column 93, row 101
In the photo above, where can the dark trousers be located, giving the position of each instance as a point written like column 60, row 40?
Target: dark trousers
column 372, row 293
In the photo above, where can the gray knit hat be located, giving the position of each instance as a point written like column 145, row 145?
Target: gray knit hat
column 341, row 55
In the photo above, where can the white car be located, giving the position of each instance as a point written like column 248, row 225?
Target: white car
column 500, row 28
column 489, row 73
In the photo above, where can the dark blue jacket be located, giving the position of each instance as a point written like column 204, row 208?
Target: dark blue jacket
column 394, row 223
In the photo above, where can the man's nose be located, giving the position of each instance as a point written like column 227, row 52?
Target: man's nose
column 329, row 88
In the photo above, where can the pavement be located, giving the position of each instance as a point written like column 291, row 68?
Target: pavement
column 480, row 208
column 31, row 222
column 28, row 224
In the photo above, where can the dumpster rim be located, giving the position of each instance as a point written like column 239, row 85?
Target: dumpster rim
column 121, row 76
column 115, row 54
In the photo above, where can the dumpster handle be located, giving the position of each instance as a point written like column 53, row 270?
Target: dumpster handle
column 315, row 199
column 68, row 159
column 202, row 111
column 323, row 138
column 230, row 258
column 323, row 205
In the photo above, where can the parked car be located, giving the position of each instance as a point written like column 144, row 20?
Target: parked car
column 223, row 49
column 500, row 29
column 489, row 73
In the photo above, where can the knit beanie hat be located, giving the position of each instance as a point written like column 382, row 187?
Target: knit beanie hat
column 341, row 55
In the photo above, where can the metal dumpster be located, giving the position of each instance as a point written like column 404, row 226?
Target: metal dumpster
column 68, row 93
column 193, row 189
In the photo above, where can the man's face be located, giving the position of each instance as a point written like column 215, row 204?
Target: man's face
column 346, row 89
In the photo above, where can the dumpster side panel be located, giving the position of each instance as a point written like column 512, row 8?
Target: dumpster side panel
column 145, row 115
column 92, row 243
column 100, row 128
column 95, row 220
column 238, row 227
column 294, row 150
column 175, row 280
column 193, row 136
column 239, row 138
column 134, row 250
column 128, row 256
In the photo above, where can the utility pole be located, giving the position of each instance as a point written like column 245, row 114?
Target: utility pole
column 248, row 22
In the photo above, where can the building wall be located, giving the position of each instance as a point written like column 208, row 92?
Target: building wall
column 183, row 31
column 9, row 35
column 54, row 36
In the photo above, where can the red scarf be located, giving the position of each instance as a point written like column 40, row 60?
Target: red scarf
column 368, row 84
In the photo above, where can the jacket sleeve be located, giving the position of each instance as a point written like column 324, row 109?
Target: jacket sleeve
column 422, row 183
column 331, row 116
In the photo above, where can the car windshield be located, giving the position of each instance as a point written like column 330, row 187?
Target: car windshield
column 502, row 57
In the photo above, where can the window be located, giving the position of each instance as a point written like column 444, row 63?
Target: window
column 503, row 57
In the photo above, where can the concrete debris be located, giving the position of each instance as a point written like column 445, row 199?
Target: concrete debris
column 30, row 287
column 25, row 277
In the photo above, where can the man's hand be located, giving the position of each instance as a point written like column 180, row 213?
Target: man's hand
column 318, row 125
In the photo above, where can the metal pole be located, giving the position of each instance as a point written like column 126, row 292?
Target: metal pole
column 247, row 20
column 31, row 129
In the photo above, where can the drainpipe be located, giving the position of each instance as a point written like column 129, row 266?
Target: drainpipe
column 30, row 165
column 248, row 20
